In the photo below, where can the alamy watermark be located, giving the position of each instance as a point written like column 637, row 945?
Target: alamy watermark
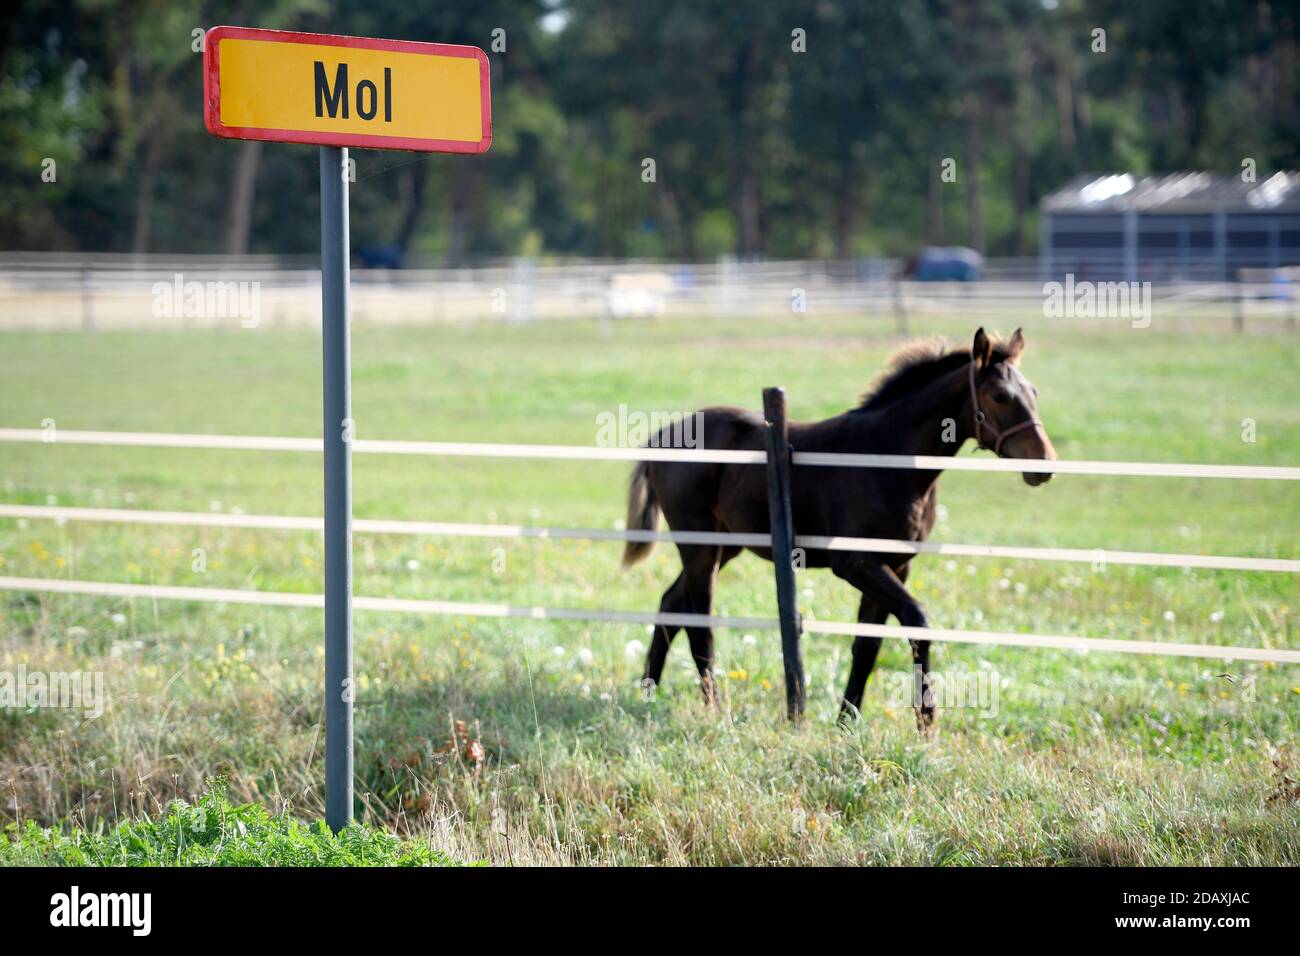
column 1098, row 300
column 626, row 428
column 74, row 908
column 213, row 299
column 947, row 690
column 29, row 690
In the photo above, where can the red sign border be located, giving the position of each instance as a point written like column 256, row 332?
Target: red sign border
column 212, row 92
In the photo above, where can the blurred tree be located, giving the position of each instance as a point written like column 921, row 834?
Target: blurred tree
column 685, row 128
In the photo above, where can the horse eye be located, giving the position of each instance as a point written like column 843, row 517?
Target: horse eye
column 1002, row 398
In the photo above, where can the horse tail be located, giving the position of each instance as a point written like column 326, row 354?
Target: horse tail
column 642, row 513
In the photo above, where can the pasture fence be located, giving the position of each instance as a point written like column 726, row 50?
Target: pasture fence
column 106, row 291
column 768, row 458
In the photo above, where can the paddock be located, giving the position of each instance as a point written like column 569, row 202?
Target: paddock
column 1208, row 521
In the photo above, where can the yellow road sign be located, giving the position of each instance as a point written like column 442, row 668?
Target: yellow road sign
column 346, row 91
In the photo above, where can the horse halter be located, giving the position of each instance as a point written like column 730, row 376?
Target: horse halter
column 982, row 421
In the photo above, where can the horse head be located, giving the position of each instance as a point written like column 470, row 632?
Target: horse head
column 1004, row 404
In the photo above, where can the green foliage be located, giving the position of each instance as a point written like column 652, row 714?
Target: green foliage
column 761, row 148
column 214, row 832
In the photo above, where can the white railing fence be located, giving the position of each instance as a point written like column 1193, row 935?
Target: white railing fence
column 570, row 453
column 65, row 291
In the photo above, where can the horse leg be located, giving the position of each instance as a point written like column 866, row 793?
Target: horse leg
column 880, row 581
column 671, row 603
column 922, row 695
column 865, row 650
column 701, row 574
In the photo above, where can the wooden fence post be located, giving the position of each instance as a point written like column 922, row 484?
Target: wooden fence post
column 782, row 521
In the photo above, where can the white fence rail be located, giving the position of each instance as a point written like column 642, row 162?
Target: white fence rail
column 1082, row 645
column 687, row 455
column 1093, row 556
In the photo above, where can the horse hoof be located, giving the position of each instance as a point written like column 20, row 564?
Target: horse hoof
column 925, row 723
column 712, row 695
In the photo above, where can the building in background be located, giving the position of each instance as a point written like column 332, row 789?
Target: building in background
column 1183, row 226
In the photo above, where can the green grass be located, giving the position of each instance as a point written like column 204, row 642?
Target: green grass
column 560, row 758
column 214, row 832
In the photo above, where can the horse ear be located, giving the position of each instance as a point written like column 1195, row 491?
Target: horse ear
column 982, row 350
column 1016, row 345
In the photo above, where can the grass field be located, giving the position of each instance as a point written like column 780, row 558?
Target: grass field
column 530, row 742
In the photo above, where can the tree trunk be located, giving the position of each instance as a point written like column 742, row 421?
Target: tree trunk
column 747, row 212
column 464, row 188
column 1022, row 118
column 1064, row 103
column 974, row 211
column 243, row 190
column 845, row 210
column 155, row 132
column 746, row 198
column 934, row 196
column 413, row 183
column 144, row 190
column 670, row 220
column 1019, row 197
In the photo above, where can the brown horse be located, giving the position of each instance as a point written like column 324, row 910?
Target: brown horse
column 928, row 402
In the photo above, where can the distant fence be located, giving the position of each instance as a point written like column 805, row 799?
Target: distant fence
column 68, row 291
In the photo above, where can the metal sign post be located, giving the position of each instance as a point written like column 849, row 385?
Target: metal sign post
column 337, row 366
column 338, row 92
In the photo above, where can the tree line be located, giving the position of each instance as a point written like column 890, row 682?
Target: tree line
column 678, row 128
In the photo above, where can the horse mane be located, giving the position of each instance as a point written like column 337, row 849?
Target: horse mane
column 916, row 364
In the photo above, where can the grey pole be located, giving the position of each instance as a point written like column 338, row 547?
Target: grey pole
column 338, row 485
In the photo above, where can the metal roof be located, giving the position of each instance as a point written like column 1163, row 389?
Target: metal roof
column 1176, row 193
